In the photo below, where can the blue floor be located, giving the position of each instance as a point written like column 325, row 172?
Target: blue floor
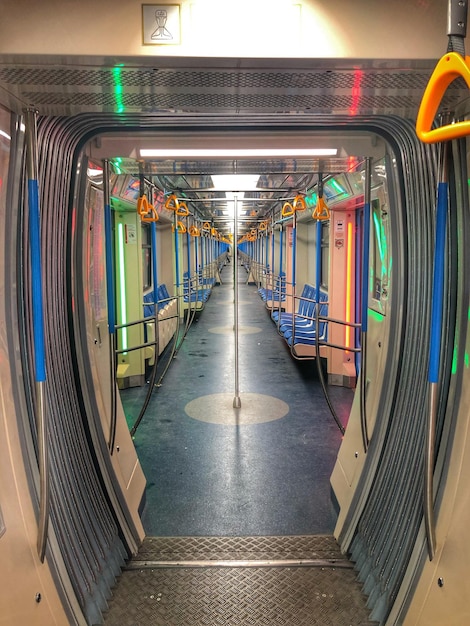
column 268, row 478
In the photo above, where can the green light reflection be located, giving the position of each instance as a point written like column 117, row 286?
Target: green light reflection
column 118, row 89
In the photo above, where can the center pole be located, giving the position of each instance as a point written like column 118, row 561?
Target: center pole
column 236, row 399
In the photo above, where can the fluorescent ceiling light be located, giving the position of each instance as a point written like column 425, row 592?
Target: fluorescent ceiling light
column 231, row 199
column 233, row 153
column 4, row 134
column 235, row 182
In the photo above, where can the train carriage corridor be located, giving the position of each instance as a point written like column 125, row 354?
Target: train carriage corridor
column 238, row 511
column 263, row 469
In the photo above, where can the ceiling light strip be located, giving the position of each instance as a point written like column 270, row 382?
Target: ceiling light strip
column 235, row 152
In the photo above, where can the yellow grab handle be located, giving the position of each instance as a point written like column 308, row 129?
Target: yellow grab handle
column 206, row 226
column 194, row 231
column 147, row 212
column 172, row 203
column 321, row 210
column 150, row 218
column 180, row 227
column 182, row 209
column 449, row 67
column 287, row 210
column 299, row 203
column 142, row 206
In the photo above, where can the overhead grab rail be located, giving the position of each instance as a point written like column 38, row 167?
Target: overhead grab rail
column 452, row 65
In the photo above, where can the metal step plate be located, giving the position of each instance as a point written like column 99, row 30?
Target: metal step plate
column 326, row 593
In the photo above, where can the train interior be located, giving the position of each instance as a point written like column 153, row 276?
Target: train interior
column 236, row 418
column 234, row 351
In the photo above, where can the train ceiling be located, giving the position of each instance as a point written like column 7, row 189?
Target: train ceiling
column 270, row 92
column 272, row 182
column 72, row 85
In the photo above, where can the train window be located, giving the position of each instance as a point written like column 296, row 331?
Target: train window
column 95, row 253
column 146, row 258
column 379, row 267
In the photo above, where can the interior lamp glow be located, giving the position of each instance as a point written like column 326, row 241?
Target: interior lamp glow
column 234, row 153
column 235, row 182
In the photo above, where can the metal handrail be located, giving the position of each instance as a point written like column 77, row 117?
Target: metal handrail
column 38, row 331
column 365, row 305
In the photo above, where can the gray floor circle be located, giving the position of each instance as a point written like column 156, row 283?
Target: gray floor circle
column 228, row 330
column 217, row 408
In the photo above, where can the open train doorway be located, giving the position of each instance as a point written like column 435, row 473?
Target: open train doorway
column 212, row 469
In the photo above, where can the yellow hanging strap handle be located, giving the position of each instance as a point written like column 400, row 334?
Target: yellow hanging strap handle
column 287, row 210
column 172, row 203
column 147, row 211
column 263, row 225
column 449, row 67
column 182, row 209
column 180, row 227
column 299, row 203
column 194, row 231
column 321, row 211
column 206, row 226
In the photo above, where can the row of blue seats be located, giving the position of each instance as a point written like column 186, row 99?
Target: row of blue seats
column 278, row 294
column 301, row 327
column 163, row 299
column 196, row 293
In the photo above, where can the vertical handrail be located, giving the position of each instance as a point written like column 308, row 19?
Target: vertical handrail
column 108, row 237
column 154, row 248
column 38, row 330
column 294, row 261
column 318, row 273
column 236, row 399
column 151, row 383
column 435, row 354
column 365, row 303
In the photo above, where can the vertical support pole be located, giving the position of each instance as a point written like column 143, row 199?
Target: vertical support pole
column 294, row 263
column 365, row 302
column 177, row 262
column 38, row 329
column 318, row 264
column 236, row 399
column 108, row 230
column 435, row 352
column 153, row 234
column 318, row 272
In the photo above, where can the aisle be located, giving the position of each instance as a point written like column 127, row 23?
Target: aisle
column 262, row 470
